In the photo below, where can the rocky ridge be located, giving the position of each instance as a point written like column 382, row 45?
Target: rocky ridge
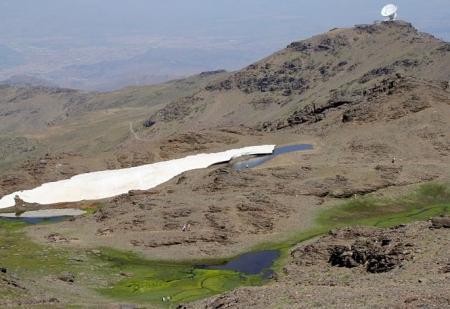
column 406, row 266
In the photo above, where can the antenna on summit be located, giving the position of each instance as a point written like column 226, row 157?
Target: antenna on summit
column 389, row 11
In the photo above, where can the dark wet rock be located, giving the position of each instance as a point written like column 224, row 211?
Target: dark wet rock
column 381, row 263
column 341, row 256
column 375, row 254
column 359, row 246
column 148, row 123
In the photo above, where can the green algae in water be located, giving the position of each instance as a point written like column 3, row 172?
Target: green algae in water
column 183, row 283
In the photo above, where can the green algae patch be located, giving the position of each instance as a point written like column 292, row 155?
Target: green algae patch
column 151, row 282
column 428, row 200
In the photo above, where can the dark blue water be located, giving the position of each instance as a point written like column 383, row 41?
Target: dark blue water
column 253, row 162
column 257, row 262
column 250, row 263
column 35, row 220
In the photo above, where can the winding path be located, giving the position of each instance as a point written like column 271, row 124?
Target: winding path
column 135, row 134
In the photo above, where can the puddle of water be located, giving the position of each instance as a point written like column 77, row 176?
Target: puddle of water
column 43, row 215
column 253, row 162
column 292, row 148
column 250, row 263
column 35, row 220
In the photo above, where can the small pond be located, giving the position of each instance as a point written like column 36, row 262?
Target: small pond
column 35, row 220
column 250, row 263
column 258, row 160
column 44, row 215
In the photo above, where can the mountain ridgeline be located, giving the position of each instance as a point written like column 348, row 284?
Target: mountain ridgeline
column 300, row 83
column 335, row 76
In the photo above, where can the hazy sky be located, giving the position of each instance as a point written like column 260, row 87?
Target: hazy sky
column 119, row 29
column 226, row 18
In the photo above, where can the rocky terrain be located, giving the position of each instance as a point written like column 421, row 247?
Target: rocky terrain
column 373, row 101
column 406, row 266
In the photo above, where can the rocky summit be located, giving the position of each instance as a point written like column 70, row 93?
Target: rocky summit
column 372, row 101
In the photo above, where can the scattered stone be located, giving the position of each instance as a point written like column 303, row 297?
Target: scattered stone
column 104, row 231
column 422, row 280
column 445, row 269
column 56, row 237
column 66, row 277
column 411, row 298
column 440, row 222
column 78, row 259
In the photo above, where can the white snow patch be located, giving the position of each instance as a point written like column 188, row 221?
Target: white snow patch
column 104, row 184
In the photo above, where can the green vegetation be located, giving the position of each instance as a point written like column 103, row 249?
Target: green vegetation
column 184, row 283
column 429, row 200
column 26, row 258
column 151, row 281
column 145, row 281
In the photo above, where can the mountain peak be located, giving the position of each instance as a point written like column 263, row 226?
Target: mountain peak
column 316, row 71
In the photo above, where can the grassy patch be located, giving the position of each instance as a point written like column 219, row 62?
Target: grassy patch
column 429, row 200
column 151, row 281
column 35, row 262
column 129, row 277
